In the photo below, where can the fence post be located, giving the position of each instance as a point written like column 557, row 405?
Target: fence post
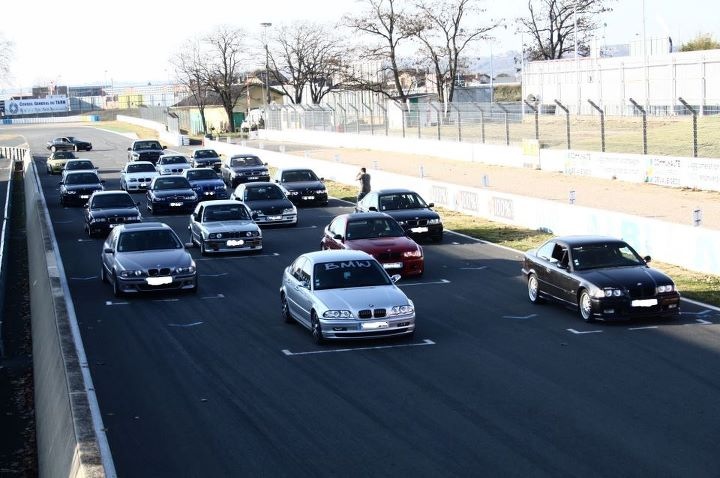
column 644, row 120
column 567, row 121
column 402, row 115
column 344, row 116
column 482, row 122
column 507, row 125
column 602, row 124
column 694, row 124
column 437, row 114
column 372, row 123
column 457, row 108
column 537, row 121
column 357, row 118
column 385, row 118
column 418, row 121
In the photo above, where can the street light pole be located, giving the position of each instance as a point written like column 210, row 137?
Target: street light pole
column 266, row 84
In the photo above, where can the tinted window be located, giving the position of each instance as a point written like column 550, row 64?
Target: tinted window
column 172, row 183
column 82, row 178
column 205, row 153
column 64, row 155
column 389, row 202
column 73, row 165
column 147, row 145
column 112, row 200
column 174, row 160
column 245, row 161
column 225, row 212
column 546, row 250
column 262, row 193
column 598, row 256
column 297, row 176
column 202, row 174
column 373, row 227
column 344, row 274
column 140, row 168
column 133, row 241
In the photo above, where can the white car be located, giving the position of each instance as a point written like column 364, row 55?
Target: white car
column 172, row 164
column 344, row 294
column 137, row 175
column 224, row 226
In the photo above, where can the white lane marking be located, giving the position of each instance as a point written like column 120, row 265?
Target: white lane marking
column 63, row 222
column 84, row 278
column 274, row 254
column 473, row 268
column 521, row 317
column 185, row 325
column 109, row 302
column 219, row 296
column 695, row 302
column 455, row 243
column 86, row 240
column 441, row 281
column 577, row 332
column 701, row 322
column 166, row 300
column 296, row 228
column 424, row 342
column 703, row 312
column 214, row 275
column 643, row 328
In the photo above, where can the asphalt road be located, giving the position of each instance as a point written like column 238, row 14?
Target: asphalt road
column 215, row 384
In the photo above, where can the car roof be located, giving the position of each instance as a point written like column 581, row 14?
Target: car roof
column 140, row 162
column 221, row 202
column 318, row 257
column 580, row 240
column 145, row 226
column 366, row 215
column 394, row 191
column 282, row 170
column 185, row 171
column 258, row 184
column 169, row 155
column 244, row 155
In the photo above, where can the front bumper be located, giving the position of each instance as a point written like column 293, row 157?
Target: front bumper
column 232, row 245
column 185, row 205
column 622, row 308
column 140, row 284
column 426, row 231
column 308, row 199
column 358, row 329
column 279, row 219
column 55, row 168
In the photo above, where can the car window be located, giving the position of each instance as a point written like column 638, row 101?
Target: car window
column 226, row 212
column 174, row 160
column 171, row 183
column 70, row 165
column 82, row 178
column 140, row 168
column 147, row 145
column 348, row 274
column 151, row 240
column 202, row 174
column 205, row 153
column 604, row 255
column 112, row 200
column 373, row 228
column 545, row 251
column 64, row 155
column 240, row 161
column 296, row 268
column 263, row 193
column 297, row 176
column 337, row 226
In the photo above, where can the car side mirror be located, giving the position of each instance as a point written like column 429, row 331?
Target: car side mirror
column 164, row 147
column 108, row 250
column 432, row 204
column 322, row 179
column 189, row 245
column 647, row 259
column 395, row 277
column 254, row 215
column 338, row 237
column 102, row 181
column 86, row 206
column 137, row 203
column 372, row 208
column 129, row 149
column 61, row 183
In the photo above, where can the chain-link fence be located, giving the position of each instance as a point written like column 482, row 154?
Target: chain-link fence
column 680, row 133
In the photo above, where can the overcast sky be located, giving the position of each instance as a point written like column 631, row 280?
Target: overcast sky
column 90, row 42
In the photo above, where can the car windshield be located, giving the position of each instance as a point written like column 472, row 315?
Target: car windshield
column 152, row 240
column 264, row 192
column 71, row 138
column 297, row 176
column 71, row 165
column 348, row 274
column 202, row 174
column 373, row 228
column 140, row 168
column 147, row 145
column 206, row 153
column 63, row 155
column 82, row 178
column 225, row 212
column 171, row 183
column 604, row 255
column 111, row 201
column 391, row 202
column 174, row 160
column 241, row 161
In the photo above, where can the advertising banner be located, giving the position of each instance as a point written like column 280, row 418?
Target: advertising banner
column 52, row 104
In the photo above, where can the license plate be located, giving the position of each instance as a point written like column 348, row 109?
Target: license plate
column 308, row 197
column 374, row 325
column 419, row 229
column 143, row 185
column 84, row 196
column 159, row 280
column 644, row 303
column 252, row 178
column 274, row 218
column 392, row 265
column 175, row 204
column 234, row 243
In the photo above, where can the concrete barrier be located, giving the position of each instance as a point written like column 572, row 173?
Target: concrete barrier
column 70, row 437
column 175, row 139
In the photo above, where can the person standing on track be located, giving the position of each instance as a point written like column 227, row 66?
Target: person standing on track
column 364, row 179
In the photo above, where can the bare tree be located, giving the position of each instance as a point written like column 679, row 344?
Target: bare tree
column 191, row 70
column 6, row 53
column 388, row 23
column 551, row 30
column 444, row 35
column 223, row 70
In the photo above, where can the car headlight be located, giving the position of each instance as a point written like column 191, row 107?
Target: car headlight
column 190, row 196
column 71, row 192
column 252, row 233
column 132, row 180
column 98, row 219
column 215, row 235
column 186, row 270
column 608, row 292
column 434, row 221
column 321, row 191
column 221, row 187
column 661, row 289
column 293, row 193
column 415, row 253
column 290, row 210
column 402, row 309
column 337, row 314
column 132, row 273
column 257, row 211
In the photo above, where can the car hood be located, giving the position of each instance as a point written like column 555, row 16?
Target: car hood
column 299, row 185
column 263, row 204
column 359, row 298
column 244, row 169
column 624, row 276
column 410, row 214
column 228, row 226
column 163, row 193
column 150, row 259
column 114, row 212
column 382, row 244
column 207, row 182
column 207, row 160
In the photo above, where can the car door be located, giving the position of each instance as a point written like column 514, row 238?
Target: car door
column 196, row 222
column 560, row 277
column 335, row 234
column 545, row 265
column 295, row 290
column 107, row 258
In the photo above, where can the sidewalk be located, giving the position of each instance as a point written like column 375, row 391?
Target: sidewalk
column 645, row 200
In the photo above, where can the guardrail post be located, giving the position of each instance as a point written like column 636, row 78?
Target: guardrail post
column 507, row 124
column 602, row 124
column 537, row 121
column 644, row 122
column 694, row 125
column 567, row 121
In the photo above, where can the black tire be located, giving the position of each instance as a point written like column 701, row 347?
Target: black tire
column 285, row 310
column 534, row 290
column 585, row 306
column 194, row 290
column 315, row 329
column 116, row 286
column 192, row 239
column 203, row 250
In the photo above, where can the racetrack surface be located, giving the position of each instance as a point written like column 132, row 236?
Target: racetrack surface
column 215, row 384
